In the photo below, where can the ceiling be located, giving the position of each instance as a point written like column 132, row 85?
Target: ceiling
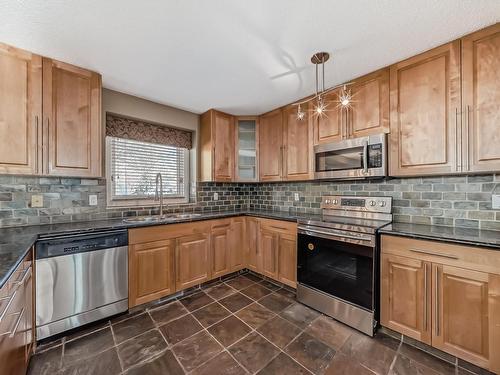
column 239, row 56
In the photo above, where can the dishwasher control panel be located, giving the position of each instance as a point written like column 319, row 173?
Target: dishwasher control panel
column 72, row 244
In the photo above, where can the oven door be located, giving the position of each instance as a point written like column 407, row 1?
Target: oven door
column 341, row 269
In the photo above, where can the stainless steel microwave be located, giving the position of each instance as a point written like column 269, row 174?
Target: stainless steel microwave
column 363, row 157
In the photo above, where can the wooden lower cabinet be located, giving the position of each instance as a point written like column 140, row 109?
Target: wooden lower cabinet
column 220, row 248
column 445, row 295
column 287, row 259
column 151, row 271
column 16, row 326
column 268, row 246
column 405, row 296
column 238, row 244
column 254, row 255
column 192, row 260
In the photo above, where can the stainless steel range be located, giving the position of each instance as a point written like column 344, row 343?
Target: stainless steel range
column 338, row 259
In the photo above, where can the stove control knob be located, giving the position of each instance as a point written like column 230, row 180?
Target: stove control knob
column 327, row 201
column 372, row 203
column 335, row 201
column 381, row 203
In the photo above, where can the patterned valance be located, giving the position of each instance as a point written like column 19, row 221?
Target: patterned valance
column 124, row 127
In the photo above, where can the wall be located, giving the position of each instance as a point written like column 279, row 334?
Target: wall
column 455, row 201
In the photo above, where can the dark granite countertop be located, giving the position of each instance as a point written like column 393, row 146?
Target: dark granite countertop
column 15, row 242
column 466, row 236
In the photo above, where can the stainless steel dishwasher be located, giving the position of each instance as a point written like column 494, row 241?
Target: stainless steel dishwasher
column 80, row 279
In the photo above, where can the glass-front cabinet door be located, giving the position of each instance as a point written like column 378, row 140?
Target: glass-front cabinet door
column 246, row 149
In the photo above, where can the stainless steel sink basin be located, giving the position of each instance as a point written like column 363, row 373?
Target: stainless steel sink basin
column 156, row 218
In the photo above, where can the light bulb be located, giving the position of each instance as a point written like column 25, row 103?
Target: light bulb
column 345, row 97
column 300, row 113
column 345, row 102
column 320, row 108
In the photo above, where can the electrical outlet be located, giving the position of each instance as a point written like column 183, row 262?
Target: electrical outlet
column 296, row 197
column 37, row 201
column 216, row 196
column 93, row 200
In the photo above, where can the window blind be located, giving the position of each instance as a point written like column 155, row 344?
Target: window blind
column 134, row 166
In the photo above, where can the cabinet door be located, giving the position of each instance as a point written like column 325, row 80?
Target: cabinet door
column 72, row 126
column 223, row 134
column 297, row 135
column 329, row 127
column 254, row 253
column 370, row 107
column 238, row 251
column 481, row 99
column 406, row 296
column 425, row 106
column 268, row 245
column 150, row 271
column 287, row 260
column 220, row 242
column 460, row 318
column 192, row 260
column 20, row 111
column 271, row 146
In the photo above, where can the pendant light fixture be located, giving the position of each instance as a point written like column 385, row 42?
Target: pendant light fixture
column 321, row 106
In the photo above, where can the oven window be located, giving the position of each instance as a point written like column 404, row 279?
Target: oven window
column 351, row 158
column 338, row 268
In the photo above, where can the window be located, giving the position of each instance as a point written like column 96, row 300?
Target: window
column 132, row 167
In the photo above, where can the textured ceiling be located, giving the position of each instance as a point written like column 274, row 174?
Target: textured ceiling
column 239, row 56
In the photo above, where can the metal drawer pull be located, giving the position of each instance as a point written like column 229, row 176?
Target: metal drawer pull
column 437, row 308
column 425, row 296
column 448, row 256
column 220, row 226
column 16, row 326
column 25, row 275
column 279, row 228
column 2, row 315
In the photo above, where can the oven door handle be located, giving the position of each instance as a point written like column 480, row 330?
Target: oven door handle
column 333, row 235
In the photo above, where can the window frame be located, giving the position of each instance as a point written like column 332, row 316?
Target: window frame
column 143, row 202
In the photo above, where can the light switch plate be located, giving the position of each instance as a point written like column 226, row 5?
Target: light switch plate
column 37, row 201
column 296, row 196
column 93, row 200
column 216, row 196
column 495, row 201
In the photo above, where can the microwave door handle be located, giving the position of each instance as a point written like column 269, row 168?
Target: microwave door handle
column 365, row 157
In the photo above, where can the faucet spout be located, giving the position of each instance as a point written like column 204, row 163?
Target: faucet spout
column 159, row 192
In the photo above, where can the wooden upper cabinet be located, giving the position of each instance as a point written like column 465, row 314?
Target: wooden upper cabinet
column 331, row 126
column 192, row 260
column 217, row 149
column 72, row 120
column 20, row 111
column 425, row 107
column 481, row 100
column 297, row 146
column 151, row 271
column 369, row 113
column 406, row 296
column 271, row 146
column 461, row 319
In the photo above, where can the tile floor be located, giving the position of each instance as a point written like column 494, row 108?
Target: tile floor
column 238, row 326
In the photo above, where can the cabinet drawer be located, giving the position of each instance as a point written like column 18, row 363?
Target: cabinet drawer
column 167, row 231
column 279, row 226
column 469, row 257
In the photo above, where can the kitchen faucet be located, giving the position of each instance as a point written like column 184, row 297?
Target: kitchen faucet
column 159, row 195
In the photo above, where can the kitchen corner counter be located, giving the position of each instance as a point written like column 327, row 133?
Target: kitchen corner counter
column 15, row 242
column 466, row 236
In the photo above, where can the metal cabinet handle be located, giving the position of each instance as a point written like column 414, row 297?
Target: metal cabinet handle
column 458, row 145
column 425, row 296
column 279, row 228
column 221, row 226
column 448, row 256
column 467, row 160
column 37, row 146
column 365, row 157
column 436, row 304
column 11, row 299
column 16, row 326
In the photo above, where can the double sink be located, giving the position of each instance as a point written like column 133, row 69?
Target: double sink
column 160, row 219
